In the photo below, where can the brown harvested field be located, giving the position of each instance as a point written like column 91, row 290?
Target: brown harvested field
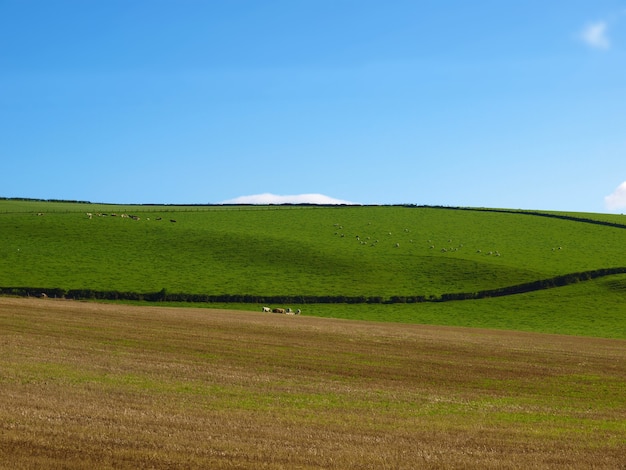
column 86, row 385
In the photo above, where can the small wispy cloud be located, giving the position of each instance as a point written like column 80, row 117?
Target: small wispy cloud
column 616, row 200
column 595, row 35
column 268, row 198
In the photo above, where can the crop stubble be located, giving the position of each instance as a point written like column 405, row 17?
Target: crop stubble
column 87, row 385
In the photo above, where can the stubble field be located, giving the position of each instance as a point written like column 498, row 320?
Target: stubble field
column 86, row 385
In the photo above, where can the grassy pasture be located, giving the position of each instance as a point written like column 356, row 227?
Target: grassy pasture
column 593, row 308
column 293, row 250
column 87, row 385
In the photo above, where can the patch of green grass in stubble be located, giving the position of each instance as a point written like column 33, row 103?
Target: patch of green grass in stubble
column 299, row 396
column 582, row 406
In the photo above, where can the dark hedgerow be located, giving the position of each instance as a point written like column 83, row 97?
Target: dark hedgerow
column 164, row 295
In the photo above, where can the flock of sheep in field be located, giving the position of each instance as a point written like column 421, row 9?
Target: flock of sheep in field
column 123, row 216
column 447, row 246
column 286, row 311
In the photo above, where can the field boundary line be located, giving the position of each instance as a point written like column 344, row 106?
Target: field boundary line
column 570, row 218
column 164, row 296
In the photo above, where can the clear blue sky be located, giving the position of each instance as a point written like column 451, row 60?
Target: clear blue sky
column 516, row 103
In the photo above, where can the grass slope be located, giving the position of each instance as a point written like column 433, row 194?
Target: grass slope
column 593, row 308
column 351, row 251
column 292, row 251
column 88, row 385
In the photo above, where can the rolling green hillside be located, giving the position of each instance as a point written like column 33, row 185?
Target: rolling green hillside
column 293, row 250
column 368, row 251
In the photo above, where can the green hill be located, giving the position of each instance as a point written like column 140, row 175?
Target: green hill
column 372, row 253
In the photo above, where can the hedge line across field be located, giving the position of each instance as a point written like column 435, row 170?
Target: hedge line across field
column 163, row 295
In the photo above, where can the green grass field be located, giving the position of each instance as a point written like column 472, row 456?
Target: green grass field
column 593, row 308
column 365, row 251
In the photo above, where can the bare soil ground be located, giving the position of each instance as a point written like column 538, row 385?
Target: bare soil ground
column 86, row 385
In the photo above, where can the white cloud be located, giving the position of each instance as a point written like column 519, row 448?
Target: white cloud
column 617, row 200
column 595, row 35
column 268, row 198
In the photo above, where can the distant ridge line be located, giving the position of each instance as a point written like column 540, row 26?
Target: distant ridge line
column 533, row 213
column 138, row 206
